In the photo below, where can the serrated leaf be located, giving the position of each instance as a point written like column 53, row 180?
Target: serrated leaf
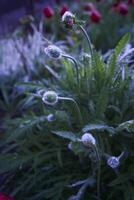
column 65, row 134
column 120, row 46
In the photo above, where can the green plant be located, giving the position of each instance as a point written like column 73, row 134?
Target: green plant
column 39, row 165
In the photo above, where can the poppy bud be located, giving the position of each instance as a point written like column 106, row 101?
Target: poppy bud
column 68, row 19
column 88, row 140
column 113, row 162
column 48, row 12
column 95, row 16
column 63, row 9
column 50, row 98
column 53, row 52
column 50, row 118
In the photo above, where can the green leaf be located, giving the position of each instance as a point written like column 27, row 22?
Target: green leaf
column 128, row 125
column 98, row 127
column 121, row 179
column 77, row 148
column 122, row 43
column 65, row 134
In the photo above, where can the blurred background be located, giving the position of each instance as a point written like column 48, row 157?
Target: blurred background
column 11, row 12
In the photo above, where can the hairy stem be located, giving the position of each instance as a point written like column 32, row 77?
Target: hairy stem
column 87, row 37
column 99, row 173
column 76, row 105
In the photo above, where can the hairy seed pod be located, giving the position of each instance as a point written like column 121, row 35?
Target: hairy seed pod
column 113, row 162
column 50, row 98
column 88, row 140
column 53, row 52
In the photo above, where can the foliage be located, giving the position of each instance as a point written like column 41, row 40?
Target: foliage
column 43, row 158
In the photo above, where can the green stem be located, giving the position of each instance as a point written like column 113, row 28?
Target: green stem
column 75, row 64
column 99, row 173
column 88, row 39
column 76, row 105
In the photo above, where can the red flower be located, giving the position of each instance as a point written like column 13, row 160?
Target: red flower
column 63, row 9
column 131, row 2
column 115, row 6
column 121, row 8
column 89, row 7
column 95, row 16
column 5, row 197
column 48, row 12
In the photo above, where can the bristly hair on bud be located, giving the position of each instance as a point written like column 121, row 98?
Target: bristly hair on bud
column 113, row 162
column 88, row 140
column 50, row 98
column 53, row 52
column 68, row 19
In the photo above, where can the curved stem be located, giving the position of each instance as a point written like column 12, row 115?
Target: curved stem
column 87, row 37
column 76, row 105
column 75, row 64
column 52, row 72
column 99, row 173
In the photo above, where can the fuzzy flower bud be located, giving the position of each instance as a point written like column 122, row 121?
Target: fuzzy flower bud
column 68, row 19
column 50, row 98
column 50, row 118
column 53, row 52
column 113, row 162
column 88, row 140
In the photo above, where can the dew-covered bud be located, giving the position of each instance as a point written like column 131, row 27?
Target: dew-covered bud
column 50, row 98
column 50, row 118
column 113, row 162
column 53, row 52
column 68, row 19
column 88, row 140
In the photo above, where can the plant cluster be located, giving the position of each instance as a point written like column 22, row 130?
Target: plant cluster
column 68, row 132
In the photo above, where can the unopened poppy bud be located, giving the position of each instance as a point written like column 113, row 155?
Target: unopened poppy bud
column 113, row 162
column 53, row 52
column 50, row 98
column 68, row 19
column 88, row 140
